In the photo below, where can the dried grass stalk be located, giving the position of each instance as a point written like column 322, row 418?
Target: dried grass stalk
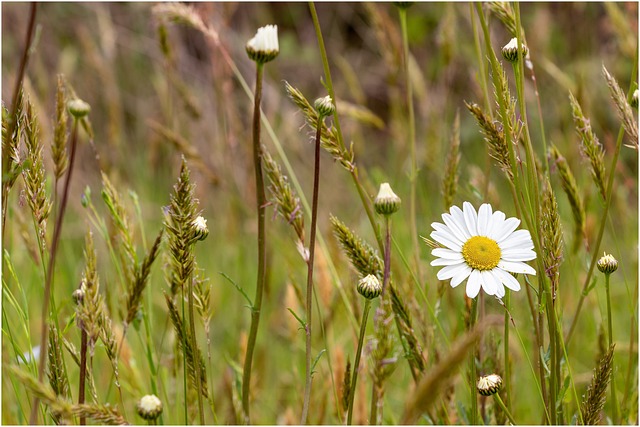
column 450, row 181
column 596, row 396
column 59, row 146
column 623, row 108
column 551, row 237
column 494, row 138
column 141, row 275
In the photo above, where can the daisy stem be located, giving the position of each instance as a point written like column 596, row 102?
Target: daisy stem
column 504, row 408
column 612, row 384
column 472, row 366
column 262, row 252
column 412, row 137
column 507, row 359
column 356, row 366
column 312, row 244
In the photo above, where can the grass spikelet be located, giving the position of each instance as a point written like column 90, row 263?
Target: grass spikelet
column 10, row 143
column 623, row 108
column 432, row 383
column 286, row 200
column 503, row 11
column 101, row 414
column 494, row 137
column 190, row 348
column 179, row 13
column 120, row 219
column 597, row 392
column 329, row 139
column 89, row 310
column 57, row 371
column 551, row 236
column 346, row 389
column 186, row 149
column 141, row 275
column 590, row 146
column 362, row 256
column 450, row 181
column 34, row 176
column 58, row 148
column 178, row 219
column 575, row 200
column 410, row 343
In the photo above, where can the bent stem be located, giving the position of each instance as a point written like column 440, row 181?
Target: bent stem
column 262, row 253
column 312, row 244
column 356, row 366
column 57, row 232
column 504, row 408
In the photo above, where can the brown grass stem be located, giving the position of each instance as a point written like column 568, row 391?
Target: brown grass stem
column 57, row 232
column 309, row 296
column 83, row 372
column 261, row 204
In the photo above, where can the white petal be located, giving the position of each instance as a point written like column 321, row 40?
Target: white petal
column 500, row 292
column 516, row 267
column 518, row 255
column 488, row 283
column 460, row 276
column 446, row 231
column 497, row 219
column 458, row 228
column 473, row 284
column 498, row 234
column 470, row 218
column 515, row 239
column 446, row 253
column 450, row 270
column 484, row 219
column 508, row 280
column 444, row 261
column 445, row 240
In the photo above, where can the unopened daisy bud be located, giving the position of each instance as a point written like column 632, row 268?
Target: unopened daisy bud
column 369, row 287
column 634, row 99
column 200, row 229
column 149, row 407
column 78, row 108
column 510, row 51
column 78, row 295
column 386, row 202
column 403, row 4
column 607, row 264
column 324, row 106
column 488, row 385
column 263, row 47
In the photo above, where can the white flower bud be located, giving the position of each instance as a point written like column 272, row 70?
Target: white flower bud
column 369, row 287
column 149, row 407
column 386, row 202
column 263, row 47
column 489, row 385
column 324, row 106
column 607, row 264
column 510, row 51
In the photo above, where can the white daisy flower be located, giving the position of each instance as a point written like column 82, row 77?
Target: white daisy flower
column 264, row 47
column 483, row 247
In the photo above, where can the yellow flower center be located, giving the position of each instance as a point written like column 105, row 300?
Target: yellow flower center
column 481, row 253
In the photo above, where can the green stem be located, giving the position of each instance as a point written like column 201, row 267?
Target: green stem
column 196, row 350
column 472, row 366
column 605, row 213
column 312, row 245
column 614, row 397
column 262, row 252
column 356, row 366
column 507, row 358
column 504, row 408
column 412, row 138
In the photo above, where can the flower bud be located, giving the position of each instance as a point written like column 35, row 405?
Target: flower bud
column 264, row 47
column 149, row 407
column 634, row 99
column 369, row 287
column 510, row 51
column 324, row 106
column 607, row 264
column 489, row 385
column 78, row 108
column 386, row 202
column 200, row 229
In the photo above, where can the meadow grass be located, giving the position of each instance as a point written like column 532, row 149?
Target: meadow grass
column 131, row 228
